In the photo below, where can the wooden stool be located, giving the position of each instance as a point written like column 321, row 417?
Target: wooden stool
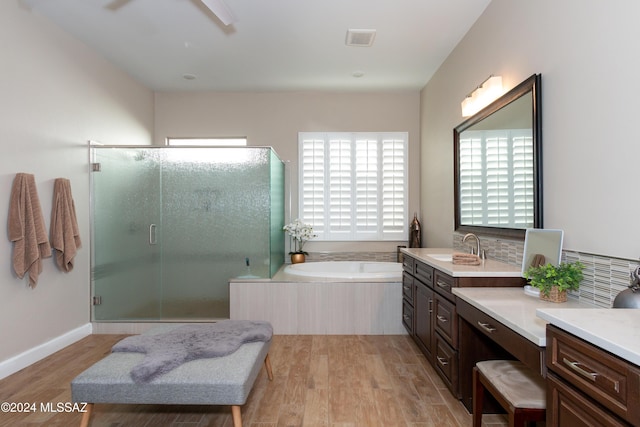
column 519, row 390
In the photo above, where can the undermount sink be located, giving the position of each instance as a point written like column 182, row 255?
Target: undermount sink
column 441, row 257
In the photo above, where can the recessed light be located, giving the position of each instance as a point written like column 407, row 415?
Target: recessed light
column 189, row 76
column 357, row 74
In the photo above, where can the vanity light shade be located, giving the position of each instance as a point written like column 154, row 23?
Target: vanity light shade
column 485, row 94
column 467, row 106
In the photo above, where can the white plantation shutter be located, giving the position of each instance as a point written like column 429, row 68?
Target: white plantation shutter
column 394, row 185
column 506, row 157
column 312, row 183
column 353, row 186
column 366, row 185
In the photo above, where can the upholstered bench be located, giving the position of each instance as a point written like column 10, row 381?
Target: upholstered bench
column 225, row 380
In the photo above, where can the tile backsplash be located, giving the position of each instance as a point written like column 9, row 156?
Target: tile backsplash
column 353, row 256
column 604, row 277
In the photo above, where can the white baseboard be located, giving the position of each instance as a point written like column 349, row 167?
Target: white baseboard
column 31, row 356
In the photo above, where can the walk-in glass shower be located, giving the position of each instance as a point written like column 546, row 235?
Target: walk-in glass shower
column 172, row 225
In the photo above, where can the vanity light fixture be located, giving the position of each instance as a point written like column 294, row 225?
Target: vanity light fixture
column 488, row 91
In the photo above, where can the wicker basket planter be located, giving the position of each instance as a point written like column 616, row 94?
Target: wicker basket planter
column 554, row 295
column 555, row 280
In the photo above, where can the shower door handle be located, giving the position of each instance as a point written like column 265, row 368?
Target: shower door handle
column 152, row 234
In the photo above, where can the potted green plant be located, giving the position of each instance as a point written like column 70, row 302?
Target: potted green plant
column 555, row 280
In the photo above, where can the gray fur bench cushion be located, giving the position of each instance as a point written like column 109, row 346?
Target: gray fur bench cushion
column 217, row 381
column 166, row 350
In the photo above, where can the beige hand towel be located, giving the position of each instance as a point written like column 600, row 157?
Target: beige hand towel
column 460, row 258
column 27, row 229
column 65, row 237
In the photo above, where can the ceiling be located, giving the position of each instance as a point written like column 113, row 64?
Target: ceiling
column 275, row 45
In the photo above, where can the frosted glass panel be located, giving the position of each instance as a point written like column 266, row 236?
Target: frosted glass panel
column 215, row 216
column 277, row 213
column 125, row 267
column 173, row 225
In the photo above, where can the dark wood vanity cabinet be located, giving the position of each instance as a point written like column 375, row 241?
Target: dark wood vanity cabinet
column 435, row 322
column 408, row 301
column 430, row 315
column 587, row 386
column 424, row 321
column 417, row 303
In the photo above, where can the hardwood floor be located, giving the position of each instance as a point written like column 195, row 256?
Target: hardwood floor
column 333, row 381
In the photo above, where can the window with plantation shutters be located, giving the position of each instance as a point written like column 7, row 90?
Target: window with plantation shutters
column 353, row 186
column 498, row 163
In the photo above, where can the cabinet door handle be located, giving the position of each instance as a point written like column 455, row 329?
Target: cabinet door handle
column 442, row 284
column 576, row 367
column 430, row 305
column 407, row 287
column 442, row 361
column 486, row 326
column 442, row 318
column 406, row 316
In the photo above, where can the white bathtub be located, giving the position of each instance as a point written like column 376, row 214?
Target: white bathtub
column 348, row 270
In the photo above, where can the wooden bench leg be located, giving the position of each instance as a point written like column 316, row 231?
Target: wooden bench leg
column 237, row 416
column 267, row 364
column 85, row 417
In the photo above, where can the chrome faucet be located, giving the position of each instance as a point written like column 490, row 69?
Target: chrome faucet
column 468, row 235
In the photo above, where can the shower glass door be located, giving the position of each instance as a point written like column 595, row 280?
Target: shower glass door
column 171, row 226
column 125, row 249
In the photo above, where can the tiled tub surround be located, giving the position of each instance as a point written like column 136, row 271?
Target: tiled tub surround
column 604, row 277
column 320, row 305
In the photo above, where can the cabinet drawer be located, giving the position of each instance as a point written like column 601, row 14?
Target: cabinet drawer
column 424, row 273
column 446, row 363
column 407, row 317
column 446, row 320
column 567, row 407
column 443, row 284
column 408, row 288
column 609, row 380
column 408, row 264
column 520, row 347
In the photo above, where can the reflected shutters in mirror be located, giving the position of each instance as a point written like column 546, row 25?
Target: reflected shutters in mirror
column 496, row 179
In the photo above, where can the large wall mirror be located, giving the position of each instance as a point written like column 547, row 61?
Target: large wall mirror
column 498, row 158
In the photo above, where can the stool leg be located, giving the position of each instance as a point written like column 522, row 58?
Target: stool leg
column 237, row 416
column 86, row 415
column 478, row 398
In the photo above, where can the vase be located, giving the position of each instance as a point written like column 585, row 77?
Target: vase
column 297, row 258
column 554, row 295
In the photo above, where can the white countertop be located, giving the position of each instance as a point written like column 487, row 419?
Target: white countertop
column 616, row 330
column 488, row 268
column 514, row 309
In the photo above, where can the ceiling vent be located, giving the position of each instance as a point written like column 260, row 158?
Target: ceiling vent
column 362, row 38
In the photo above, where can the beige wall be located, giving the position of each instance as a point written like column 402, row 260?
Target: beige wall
column 56, row 95
column 586, row 52
column 274, row 119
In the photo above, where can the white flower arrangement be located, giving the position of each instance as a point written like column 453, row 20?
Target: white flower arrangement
column 300, row 233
